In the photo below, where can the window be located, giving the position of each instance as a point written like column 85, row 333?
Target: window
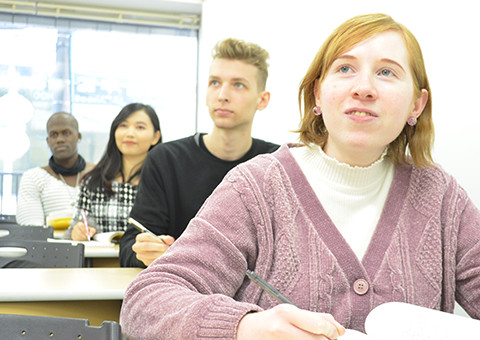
column 92, row 70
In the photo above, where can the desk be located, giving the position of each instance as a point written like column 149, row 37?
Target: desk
column 97, row 254
column 95, row 294
column 59, row 233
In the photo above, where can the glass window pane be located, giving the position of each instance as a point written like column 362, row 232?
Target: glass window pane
column 91, row 70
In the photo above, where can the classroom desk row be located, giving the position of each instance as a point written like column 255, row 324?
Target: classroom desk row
column 101, row 255
column 95, row 294
column 97, row 254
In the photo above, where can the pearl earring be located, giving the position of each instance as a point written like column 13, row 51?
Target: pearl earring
column 412, row 120
column 317, row 111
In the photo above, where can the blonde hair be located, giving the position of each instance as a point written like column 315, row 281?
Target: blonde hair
column 249, row 53
column 419, row 138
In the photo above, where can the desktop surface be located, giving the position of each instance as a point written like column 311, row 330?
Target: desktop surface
column 95, row 294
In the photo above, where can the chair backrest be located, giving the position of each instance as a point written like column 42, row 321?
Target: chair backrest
column 24, row 232
column 8, row 219
column 22, row 327
column 15, row 253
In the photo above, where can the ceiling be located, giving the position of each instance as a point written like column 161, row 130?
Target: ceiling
column 173, row 6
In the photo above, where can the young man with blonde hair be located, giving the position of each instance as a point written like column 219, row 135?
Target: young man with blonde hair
column 178, row 176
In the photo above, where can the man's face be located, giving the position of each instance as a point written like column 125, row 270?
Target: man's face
column 233, row 96
column 62, row 138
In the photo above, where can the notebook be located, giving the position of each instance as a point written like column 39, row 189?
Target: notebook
column 402, row 321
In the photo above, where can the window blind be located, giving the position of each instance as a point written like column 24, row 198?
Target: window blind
column 103, row 14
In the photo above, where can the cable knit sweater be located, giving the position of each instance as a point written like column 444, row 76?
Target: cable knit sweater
column 264, row 216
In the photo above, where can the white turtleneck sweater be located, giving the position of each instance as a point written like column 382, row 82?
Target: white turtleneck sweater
column 353, row 197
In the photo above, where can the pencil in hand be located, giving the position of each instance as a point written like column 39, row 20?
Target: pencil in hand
column 84, row 217
column 141, row 228
column 267, row 287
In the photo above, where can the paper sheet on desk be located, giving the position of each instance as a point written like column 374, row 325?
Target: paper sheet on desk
column 401, row 321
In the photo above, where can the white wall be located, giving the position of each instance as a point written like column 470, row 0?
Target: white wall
column 292, row 31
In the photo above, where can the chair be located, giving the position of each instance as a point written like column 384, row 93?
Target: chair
column 16, row 253
column 22, row 327
column 8, row 219
column 24, row 232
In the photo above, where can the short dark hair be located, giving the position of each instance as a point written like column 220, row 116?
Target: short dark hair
column 66, row 115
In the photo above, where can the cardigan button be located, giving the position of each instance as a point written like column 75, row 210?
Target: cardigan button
column 360, row 286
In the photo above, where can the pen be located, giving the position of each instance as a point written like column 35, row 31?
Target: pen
column 267, row 287
column 140, row 227
column 84, row 216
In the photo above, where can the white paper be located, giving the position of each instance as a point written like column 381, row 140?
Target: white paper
column 401, row 321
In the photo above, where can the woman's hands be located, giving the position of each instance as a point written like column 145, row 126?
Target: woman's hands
column 288, row 322
column 79, row 232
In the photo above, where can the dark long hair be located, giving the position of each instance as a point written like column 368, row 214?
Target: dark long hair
column 111, row 162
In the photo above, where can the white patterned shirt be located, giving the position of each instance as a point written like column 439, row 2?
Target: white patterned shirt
column 41, row 194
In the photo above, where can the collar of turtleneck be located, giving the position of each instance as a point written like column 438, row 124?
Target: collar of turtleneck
column 313, row 159
column 79, row 166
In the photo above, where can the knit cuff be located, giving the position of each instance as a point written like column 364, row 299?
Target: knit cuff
column 221, row 319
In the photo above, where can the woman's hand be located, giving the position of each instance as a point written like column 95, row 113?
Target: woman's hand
column 288, row 322
column 79, row 232
column 148, row 247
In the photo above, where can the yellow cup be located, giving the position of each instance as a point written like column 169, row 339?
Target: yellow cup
column 59, row 220
column 61, row 223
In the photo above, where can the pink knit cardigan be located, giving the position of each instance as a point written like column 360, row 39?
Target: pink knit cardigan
column 265, row 216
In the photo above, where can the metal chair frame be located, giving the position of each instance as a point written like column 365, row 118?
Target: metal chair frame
column 43, row 254
column 22, row 327
column 23, row 232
